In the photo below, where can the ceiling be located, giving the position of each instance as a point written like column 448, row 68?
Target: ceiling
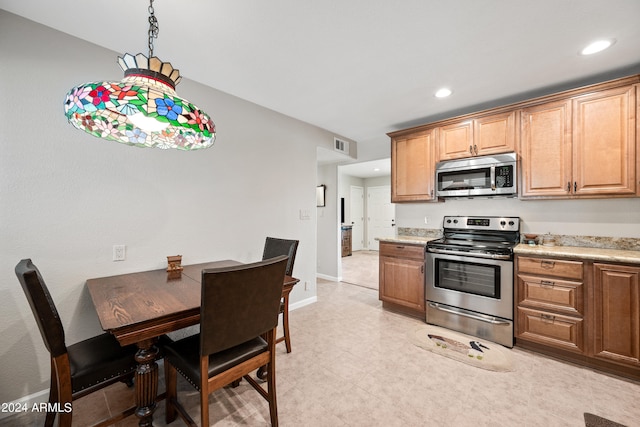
column 362, row 68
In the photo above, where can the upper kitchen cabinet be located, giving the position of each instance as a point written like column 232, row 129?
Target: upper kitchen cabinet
column 546, row 149
column 604, row 142
column 583, row 146
column 490, row 134
column 412, row 166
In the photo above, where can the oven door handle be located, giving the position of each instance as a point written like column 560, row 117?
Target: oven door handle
column 472, row 254
column 485, row 319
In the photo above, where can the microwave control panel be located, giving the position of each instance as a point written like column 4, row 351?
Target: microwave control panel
column 504, row 176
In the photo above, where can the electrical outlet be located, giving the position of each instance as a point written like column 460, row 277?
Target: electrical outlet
column 426, row 220
column 119, row 252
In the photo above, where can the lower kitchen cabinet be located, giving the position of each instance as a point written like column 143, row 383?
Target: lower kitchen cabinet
column 579, row 310
column 616, row 313
column 401, row 284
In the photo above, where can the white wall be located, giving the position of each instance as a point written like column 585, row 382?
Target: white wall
column 328, row 224
column 66, row 197
column 592, row 217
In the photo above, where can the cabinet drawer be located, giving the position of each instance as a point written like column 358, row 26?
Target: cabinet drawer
column 551, row 294
column 550, row 267
column 551, row 329
column 402, row 251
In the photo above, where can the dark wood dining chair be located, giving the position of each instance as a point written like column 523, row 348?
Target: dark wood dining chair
column 238, row 319
column 275, row 247
column 78, row 369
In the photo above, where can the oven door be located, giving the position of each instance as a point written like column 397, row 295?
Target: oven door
column 476, row 284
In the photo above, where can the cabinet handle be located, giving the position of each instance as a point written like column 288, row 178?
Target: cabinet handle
column 547, row 283
column 569, row 187
column 548, row 317
column 475, row 148
column 471, row 150
column 422, row 269
column 575, row 186
column 399, row 247
column 547, row 264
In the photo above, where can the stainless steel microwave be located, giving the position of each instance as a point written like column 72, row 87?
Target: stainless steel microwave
column 494, row 175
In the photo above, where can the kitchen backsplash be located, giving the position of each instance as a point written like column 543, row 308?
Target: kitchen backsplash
column 419, row 232
column 622, row 243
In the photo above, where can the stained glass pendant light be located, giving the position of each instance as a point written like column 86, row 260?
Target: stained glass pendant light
column 143, row 108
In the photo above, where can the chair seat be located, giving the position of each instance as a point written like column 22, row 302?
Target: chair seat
column 185, row 356
column 98, row 359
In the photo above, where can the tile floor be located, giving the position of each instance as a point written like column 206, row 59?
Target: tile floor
column 353, row 365
column 361, row 268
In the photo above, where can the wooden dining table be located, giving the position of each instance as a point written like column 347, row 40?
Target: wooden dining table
column 138, row 308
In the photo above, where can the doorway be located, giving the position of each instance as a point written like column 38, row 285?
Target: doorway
column 381, row 215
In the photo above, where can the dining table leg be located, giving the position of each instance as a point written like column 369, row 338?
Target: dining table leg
column 146, row 381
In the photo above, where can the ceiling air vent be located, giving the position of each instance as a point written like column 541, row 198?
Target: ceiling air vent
column 341, row 146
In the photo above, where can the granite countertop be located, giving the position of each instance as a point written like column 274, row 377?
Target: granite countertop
column 595, row 254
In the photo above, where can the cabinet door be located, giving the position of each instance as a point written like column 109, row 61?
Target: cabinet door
column 546, row 149
column 604, row 142
column 413, row 167
column 402, row 282
column 456, row 140
column 494, row 134
column 616, row 306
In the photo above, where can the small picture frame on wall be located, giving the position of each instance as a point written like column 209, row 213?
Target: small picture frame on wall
column 320, row 193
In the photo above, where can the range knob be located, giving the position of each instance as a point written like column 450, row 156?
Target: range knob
column 511, row 223
column 448, row 221
column 455, row 221
column 503, row 223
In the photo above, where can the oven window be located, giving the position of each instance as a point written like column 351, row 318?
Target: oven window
column 464, row 180
column 468, row 277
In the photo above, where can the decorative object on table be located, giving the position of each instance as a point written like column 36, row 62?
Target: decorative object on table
column 143, row 108
column 464, row 348
column 174, row 268
column 78, row 369
column 531, row 239
column 591, row 420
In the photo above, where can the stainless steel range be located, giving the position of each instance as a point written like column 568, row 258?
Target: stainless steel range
column 469, row 280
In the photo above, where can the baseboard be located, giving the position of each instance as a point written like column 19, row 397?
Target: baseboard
column 26, row 402
column 300, row 304
column 329, row 278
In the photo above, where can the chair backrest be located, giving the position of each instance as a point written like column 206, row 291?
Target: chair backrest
column 239, row 303
column 42, row 306
column 274, row 247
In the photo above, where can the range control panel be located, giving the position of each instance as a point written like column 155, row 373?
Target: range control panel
column 497, row 223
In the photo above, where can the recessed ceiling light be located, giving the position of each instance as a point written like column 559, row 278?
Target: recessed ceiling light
column 596, row 47
column 376, row 169
column 443, row 93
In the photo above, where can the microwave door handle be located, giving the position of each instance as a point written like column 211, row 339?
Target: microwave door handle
column 493, row 178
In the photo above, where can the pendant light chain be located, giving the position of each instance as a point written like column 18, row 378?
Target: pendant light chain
column 153, row 28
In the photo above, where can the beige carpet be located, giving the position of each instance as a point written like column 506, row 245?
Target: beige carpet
column 361, row 269
column 464, row 348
